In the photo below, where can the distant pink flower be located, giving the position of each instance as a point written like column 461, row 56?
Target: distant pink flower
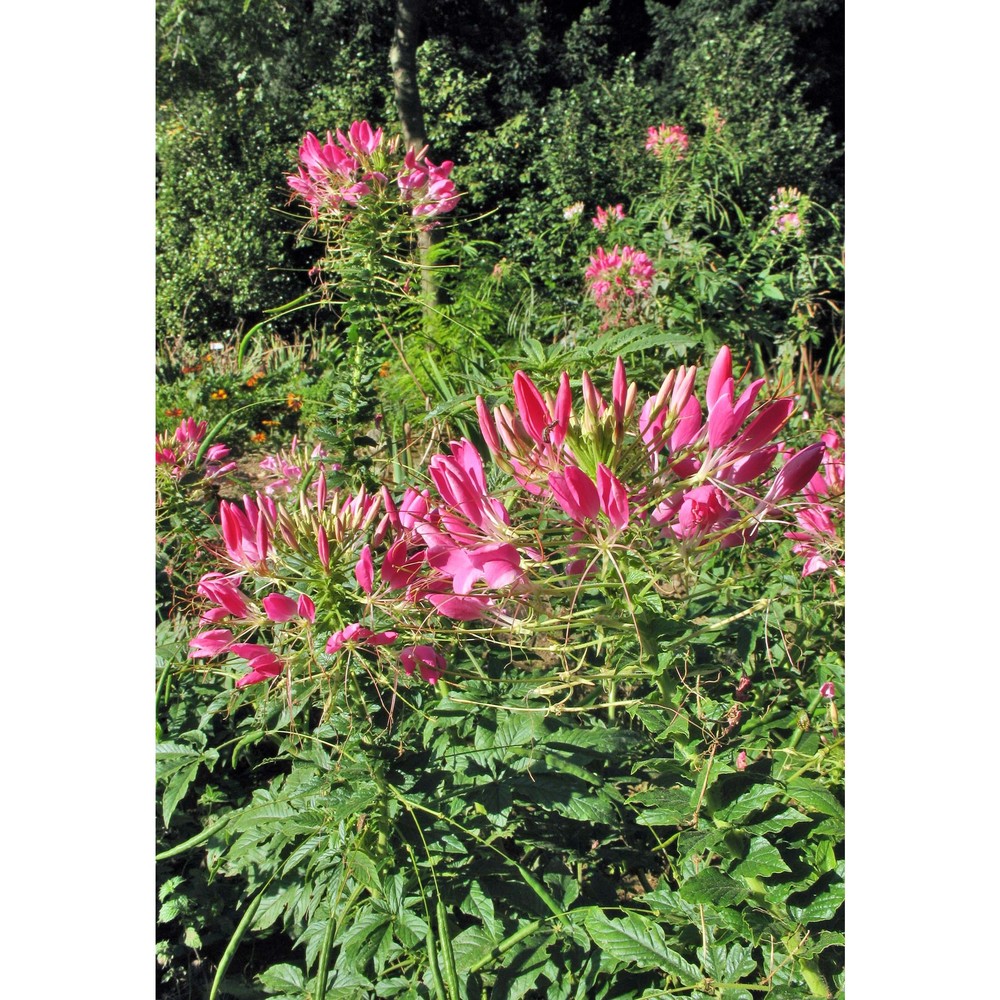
column 790, row 220
column 210, row 643
column 741, row 761
column 605, row 216
column 667, row 140
column 615, row 279
column 827, row 690
column 426, row 659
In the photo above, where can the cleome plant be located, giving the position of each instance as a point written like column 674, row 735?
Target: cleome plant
column 548, row 704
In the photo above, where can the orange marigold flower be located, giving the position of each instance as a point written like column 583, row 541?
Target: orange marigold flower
column 219, row 394
column 294, row 401
column 384, row 370
column 175, row 411
column 259, row 437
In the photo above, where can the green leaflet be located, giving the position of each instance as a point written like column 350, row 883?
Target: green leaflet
column 638, row 941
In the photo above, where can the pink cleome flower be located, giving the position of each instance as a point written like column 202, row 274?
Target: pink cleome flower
column 667, row 140
column 605, row 216
column 616, row 277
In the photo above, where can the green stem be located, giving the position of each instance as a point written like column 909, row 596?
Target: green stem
column 324, row 956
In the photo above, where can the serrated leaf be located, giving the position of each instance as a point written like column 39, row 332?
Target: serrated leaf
column 169, row 886
column 477, row 904
column 713, row 886
column 777, row 823
column 169, row 910
column 176, row 789
column 191, row 938
column 668, row 807
column 727, row 963
column 283, row 977
column 815, row 797
column 751, row 801
column 473, row 944
column 823, row 907
column 638, row 941
column 763, row 859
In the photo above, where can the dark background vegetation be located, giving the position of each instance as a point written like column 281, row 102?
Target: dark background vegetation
column 526, row 98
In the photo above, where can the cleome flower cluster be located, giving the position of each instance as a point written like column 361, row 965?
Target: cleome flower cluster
column 592, row 480
column 347, row 172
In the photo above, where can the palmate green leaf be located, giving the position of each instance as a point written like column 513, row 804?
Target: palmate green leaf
column 762, row 860
column 713, row 886
column 640, row 942
column 361, row 939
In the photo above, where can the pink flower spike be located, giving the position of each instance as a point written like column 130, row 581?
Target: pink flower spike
column 828, row 690
column 741, row 761
column 280, row 608
column 306, row 608
column 796, row 472
column 531, row 407
column 487, row 426
column 576, row 493
column 721, row 373
column 614, row 498
column 426, row 659
column 619, row 389
column 210, row 643
column 364, row 571
column 563, row 410
column 323, row 548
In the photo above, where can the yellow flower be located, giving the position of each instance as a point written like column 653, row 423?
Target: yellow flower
column 219, row 394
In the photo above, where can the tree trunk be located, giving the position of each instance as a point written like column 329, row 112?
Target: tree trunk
column 403, row 59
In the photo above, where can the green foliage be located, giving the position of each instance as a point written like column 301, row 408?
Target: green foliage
column 743, row 59
column 656, row 806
